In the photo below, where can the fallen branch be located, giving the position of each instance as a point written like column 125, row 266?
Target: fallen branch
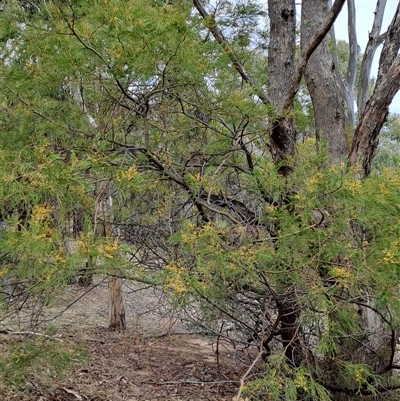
column 30, row 333
column 192, row 382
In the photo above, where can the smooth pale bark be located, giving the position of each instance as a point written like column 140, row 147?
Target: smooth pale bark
column 323, row 84
column 352, row 65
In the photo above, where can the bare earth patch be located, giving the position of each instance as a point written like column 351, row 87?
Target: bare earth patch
column 155, row 359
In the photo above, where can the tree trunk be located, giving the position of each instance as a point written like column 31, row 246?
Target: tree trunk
column 116, row 306
column 103, row 217
column 366, row 136
column 322, row 83
column 281, row 68
column 375, row 39
column 376, row 110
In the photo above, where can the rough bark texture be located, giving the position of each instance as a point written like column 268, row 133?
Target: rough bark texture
column 281, row 68
column 308, row 50
column 376, row 110
column 366, row 135
column 116, row 305
column 322, row 83
column 103, row 217
column 329, row 96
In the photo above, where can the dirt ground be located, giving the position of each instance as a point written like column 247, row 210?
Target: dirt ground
column 156, row 358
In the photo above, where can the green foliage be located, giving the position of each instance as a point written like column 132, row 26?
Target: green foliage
column 314, row 250
column 137, row 95
column 387, row 154
column 42, row 356
column 342, row 50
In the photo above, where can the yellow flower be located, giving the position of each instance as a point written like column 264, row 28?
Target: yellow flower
column 60, row 259
column 40, row 213
column 342, row 275
column 301, row 382
column 353, row 186
column 109, row 250
column 176, row 280
column 127, row 175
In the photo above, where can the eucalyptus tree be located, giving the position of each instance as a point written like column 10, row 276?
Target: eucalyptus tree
column 228, row 189
column 330, row 95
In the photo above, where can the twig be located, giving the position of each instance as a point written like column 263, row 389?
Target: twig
column 243, row 378
column 191, row 382
column 260, row 354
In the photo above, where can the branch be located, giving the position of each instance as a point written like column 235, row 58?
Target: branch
column 308, row 51
column 243, row 378
column 38, row 113
column 391, row 46
column 211, row 25
column 97, row 54
column 352, row 65
column 201, row 383
column 390, row 365
column 200, row 203
column 365, row 139
column 375, row 39
column 377, row 389
column 30, row 333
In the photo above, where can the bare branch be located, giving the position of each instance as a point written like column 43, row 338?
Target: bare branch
column 352, row 66
column 351, row 73
column 219, row 37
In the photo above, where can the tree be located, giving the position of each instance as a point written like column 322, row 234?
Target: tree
column 215, row 194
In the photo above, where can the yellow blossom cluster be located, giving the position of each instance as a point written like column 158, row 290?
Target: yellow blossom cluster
column 59, row 259
column 341, row 274
column 300, row 381
column 40, row 213
column 176, row 280
column 109, row 250
column 85, row 243
column 300, row 197
column 390, row 257
column 389, row 177
column 4, row 271
column 314, row 181
column 383, row 189
column 359, row 374
column 127, row 175
column 354, row 186
column 189, row 236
